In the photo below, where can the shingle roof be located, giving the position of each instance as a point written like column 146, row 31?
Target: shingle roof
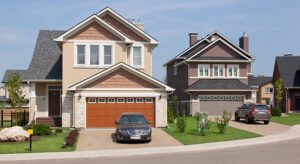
column 46, row 62
column 289, row 68
column 219, row 84
column 258, row 80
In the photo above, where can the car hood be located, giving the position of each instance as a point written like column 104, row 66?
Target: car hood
column 134, row 126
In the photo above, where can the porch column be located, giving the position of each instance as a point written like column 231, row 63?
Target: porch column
column 194, row 106
column 32, row 102
column 67, row 110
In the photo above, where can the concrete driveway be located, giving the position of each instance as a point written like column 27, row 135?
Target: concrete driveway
column 260, row 127
column 105, row 139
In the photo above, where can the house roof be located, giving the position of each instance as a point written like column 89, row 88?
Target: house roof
column 289, row 69
column 256, row 81
column 115, row 67
column 46, row 62
column 219, row 85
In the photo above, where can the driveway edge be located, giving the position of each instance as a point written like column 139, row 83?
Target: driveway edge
column 292, row 133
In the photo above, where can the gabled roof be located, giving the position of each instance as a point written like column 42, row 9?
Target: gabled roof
column 130, row 69
column 289, row 69
column 219, row 85
column 22, row 73
column 192, row 51
column 256, row 81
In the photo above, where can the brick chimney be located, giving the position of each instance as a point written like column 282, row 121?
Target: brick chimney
column 244, row 42
column 137, row 23
column 193, row 38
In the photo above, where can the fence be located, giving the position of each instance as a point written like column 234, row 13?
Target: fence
column 180, row 107
column 9, row 118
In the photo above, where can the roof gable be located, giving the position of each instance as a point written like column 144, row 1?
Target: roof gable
column 288, row 67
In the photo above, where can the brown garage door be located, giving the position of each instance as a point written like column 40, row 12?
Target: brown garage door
column 103, row 112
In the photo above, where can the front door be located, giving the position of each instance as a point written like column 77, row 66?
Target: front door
column 54, row 103
column 297, row 102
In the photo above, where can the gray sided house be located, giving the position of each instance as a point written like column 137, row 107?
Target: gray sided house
column 212, row 73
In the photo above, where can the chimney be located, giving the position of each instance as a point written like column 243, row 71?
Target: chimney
column 193, row 38
column 244, row 42
column 138, row 23
column 288, row 55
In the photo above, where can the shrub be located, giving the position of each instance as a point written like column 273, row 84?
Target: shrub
column 276, row 111
column 21, row 121
column 41, row 130
column 58, row 130
column 170, row 114
column 202, row 123
column 223, row 121
column 181, row 123
column 71, row 138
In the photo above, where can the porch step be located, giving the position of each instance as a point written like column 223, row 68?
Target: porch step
column 51, row 121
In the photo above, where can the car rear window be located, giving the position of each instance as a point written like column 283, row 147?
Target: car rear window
column 261, row 107
column 133, row 119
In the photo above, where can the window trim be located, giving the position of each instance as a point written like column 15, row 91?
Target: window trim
column 90, row 102
column 121, row 99
column 76, row 54
column 111, row 99
column 233, row 65
column 112, row 55
column 203, row 72
column 142, row 55
column 139, row 98
column 131, row 99
column 148, row 99
column 89, row 56
column 268, row 88
column 101, row 101
column 224, row 70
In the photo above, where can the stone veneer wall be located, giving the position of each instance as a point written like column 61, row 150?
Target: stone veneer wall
column 42, row 110
column 80, row 112
column 161, row 111
column 67, row 110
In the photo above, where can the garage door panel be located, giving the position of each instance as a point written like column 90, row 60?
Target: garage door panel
column 215, row 108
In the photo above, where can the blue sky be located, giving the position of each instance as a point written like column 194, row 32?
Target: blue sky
column 272, row 25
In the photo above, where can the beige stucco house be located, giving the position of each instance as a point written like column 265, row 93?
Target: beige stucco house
column 90, row 74
column 264, row 89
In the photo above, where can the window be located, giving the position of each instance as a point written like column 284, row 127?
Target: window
column 218, row 70
column 130, row 100
column 175, row 70
column 269, row 90
column 80, row 54
column 139, row 100
column 111, row 100
column 137, row 56
column 92, row 100
column 233, row 70
column 101, row 100
column 94, row 55
column 107, row 55
column 203, row 70
column 121, row 100
column 148, row 100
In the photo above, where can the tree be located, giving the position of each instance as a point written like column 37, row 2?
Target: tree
column 15, row 93
column 279, row 91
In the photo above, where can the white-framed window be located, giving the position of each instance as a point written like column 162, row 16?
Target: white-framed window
column 269, row 90
column 111, row 100
column 130, row 100
column 101, row 100
column 137, row 55
column 81, row 54
column 233, row 70
column 203, row 70
column 219, row 70
column 121, row 100
column 175, row 70
column 92, row 100
column 139, row 100
column 148, row 100
column 93, row 54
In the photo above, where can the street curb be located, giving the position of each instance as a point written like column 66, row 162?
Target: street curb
column 291, row 133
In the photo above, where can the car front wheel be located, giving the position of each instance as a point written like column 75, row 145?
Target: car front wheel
column 266, row 122
column 236, row 117
column 247, row 120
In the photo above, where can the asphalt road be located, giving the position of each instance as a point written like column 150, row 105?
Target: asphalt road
column 276, row 153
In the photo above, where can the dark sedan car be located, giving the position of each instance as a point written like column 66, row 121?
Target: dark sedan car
column 133, row 127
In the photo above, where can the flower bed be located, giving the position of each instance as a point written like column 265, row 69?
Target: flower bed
column 13, row 134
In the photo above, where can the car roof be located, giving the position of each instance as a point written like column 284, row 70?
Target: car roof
column 132, row 113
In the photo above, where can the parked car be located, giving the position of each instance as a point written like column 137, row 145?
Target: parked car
column 253, row 112
column 133, row 127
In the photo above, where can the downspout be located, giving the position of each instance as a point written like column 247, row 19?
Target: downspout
column 286, row 101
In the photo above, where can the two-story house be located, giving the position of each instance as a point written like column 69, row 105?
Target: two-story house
column 212, row 73
column 90, row 74
column 264, row 89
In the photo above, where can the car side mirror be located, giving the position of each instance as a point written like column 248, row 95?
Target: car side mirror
column 116, row 122
column 149, row 122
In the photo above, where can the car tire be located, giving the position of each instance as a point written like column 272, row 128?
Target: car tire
column 247, row 121
column 236, row 117
column 118, row 140
column 266, row 122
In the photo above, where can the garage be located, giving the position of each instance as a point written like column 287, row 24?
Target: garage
column 214, row 105
column 102, row 112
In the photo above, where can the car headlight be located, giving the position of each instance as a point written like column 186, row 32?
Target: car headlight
column 123, row 131
column 147, row 130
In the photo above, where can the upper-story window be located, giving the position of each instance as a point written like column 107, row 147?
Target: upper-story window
column 269, row 90
column 232, row 70
column 93, row 55
column 203, row 70
column 137, row 57
column 219, row 70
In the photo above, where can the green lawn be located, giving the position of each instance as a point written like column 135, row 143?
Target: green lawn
column 191, row 136
column 51, row 143
column 292, row 119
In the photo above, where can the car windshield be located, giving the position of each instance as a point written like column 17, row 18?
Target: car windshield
column 132, row 119
column 261, row 107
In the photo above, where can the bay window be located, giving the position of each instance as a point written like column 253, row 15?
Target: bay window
column 203, row 70
column 232, row 70
column 219, row 70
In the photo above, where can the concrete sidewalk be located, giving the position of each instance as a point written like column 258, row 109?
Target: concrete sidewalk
column 292, row 133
